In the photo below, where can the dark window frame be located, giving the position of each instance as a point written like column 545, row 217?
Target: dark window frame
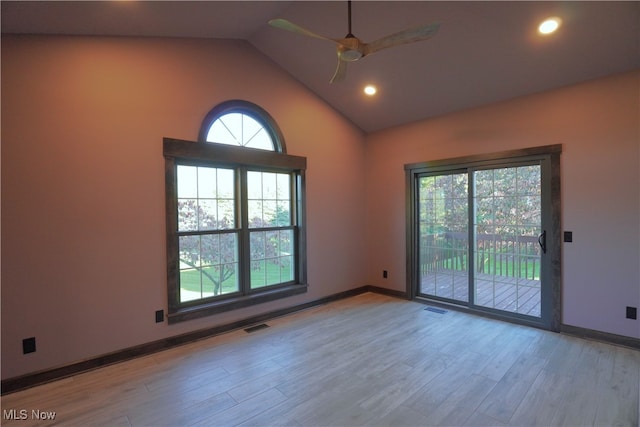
column 552, row 219
column 247, row 108
column 241, row 159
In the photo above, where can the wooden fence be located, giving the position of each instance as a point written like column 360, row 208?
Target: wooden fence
column 512, row 256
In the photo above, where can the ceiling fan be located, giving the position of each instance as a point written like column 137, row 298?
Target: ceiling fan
column 350, row 48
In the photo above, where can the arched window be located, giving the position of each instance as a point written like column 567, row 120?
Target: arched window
column 235, row 214
column 244, row 124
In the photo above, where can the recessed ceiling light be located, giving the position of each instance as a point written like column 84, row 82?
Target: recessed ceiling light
column 549, row 25
column 370, row 90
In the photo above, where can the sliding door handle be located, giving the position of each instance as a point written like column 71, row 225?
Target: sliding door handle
column 542, row 241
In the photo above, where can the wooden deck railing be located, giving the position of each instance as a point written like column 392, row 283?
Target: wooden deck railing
column 512, row 256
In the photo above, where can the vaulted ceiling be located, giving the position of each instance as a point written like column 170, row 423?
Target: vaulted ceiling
column 484, row 52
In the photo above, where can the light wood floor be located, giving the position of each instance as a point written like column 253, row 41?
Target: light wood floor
column 368, row 360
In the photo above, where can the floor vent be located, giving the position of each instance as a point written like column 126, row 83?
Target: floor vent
column 256, row 328
column 436, row 310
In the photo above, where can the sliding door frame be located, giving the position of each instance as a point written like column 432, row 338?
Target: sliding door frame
column 549, row 156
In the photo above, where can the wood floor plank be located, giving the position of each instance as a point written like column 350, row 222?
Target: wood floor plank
column 544, row 399
column 478, row 419
column 462, row 403
column 404, row 416
column 617, row 391
column 369, row 360
column 243, row 411
column 502, row 402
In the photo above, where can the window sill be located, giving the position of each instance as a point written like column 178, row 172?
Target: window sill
column 235, row 303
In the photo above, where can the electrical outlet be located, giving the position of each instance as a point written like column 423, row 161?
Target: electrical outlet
column 384, row 274
column 29, row 345
column 159, row 316
column 632, row 313
column 568, row 236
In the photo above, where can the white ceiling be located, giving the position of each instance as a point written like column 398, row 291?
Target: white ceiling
column 485, row 52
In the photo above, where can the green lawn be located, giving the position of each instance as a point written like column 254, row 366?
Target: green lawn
column 267, row 274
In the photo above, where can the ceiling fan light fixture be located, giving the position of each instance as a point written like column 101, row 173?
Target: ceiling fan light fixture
column 350, row 55
column 549, row 25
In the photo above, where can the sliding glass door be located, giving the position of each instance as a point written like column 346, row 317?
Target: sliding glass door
column 444, row 250
column 507, row 225
column 479, row 233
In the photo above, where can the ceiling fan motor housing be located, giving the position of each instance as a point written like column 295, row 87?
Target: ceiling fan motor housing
column 349, row 49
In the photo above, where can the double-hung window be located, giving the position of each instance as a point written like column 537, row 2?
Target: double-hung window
column 235, row 215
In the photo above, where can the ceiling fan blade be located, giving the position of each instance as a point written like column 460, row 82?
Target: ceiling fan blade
column 411, row 35
column 341, row 71
column 283, row 24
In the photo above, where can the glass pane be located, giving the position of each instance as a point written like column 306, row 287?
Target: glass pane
column 187, row 182
column 210, row 204
column 250, row 127
column 220, row 280
column 507, row 254
column 232, row 123
column 254, row 185
column 271, row 257
column 187, row 214
column 228, row 248
column 226, row 214
column 226, row 183
column 286, row 269
column 210, row 244
column 268, row 185
column 258, row 274
column 190, row 285
column 504, row 182
column 240, row 129
column 269, row 212
column 484, row 210
column 269, row 199
column 460, row 189
column 483, row 183
column 189, row 249
column 208, row 265
column 258, row 245
column 528, row 180
column 255, row 214
column 190, row 281
column 526, row 207
column 283, row 216
column 504, row 207
column 443, row 249
column 286, row 242
column 207, row 183
column 261, row 141
column 220, row 133
column 283, row 186
column 255, row 136
column 207, row 214
column 272, row 244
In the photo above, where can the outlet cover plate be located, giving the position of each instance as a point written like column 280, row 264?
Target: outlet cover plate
column 632, row 313
column 29, row 345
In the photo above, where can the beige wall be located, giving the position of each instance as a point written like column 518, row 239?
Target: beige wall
column 83, row 237
column 597, row 124
column 83, row 245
